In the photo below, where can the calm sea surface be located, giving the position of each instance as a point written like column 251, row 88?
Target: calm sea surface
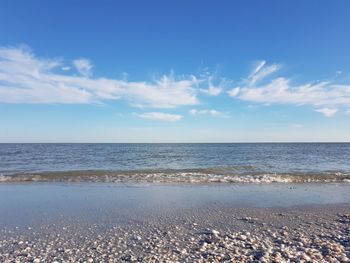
column 240, row 158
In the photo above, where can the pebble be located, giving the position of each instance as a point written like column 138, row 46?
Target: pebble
column 183, row 242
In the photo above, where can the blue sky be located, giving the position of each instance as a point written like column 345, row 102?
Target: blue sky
column 174, row 71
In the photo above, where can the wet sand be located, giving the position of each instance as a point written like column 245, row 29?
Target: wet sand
column 174, row 223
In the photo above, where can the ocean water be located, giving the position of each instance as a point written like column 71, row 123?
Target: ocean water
column 106, row 204
column 226, row 162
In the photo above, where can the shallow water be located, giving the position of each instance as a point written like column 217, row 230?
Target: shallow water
column 45, row 203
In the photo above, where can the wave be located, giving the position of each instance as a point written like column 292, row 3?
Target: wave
column 194, row 176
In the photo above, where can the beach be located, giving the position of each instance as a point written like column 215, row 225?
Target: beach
column 174, row 131
column 277, row 202
column 104, row 222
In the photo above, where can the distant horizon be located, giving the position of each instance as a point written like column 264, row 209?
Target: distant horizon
column 256, row 142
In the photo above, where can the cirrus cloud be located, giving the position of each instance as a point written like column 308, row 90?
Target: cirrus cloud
column 209, row 112
column 325, row 96
column 212, row 90
column 328, row 112
column 25, row 78
column 160, row 116
column 83, row 66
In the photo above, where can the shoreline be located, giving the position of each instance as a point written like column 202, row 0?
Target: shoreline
column 108, row 222
column 305, row 234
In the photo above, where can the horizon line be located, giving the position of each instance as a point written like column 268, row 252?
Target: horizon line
column 244, row 142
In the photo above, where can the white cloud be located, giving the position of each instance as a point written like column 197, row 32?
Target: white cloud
column 261, row 71
column 212, row 91
column 326, row 97
column 280, row 90
column 258, row 66
column 215, row 84
column 234, row 92
column 210, row 112
column 164, row 93
column 24, row 78
column 160, row 116
column 328, row 112
column 83, row 66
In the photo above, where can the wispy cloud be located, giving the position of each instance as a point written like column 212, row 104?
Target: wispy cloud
column 209, row 112
column 83, row 66
column 160, row 116
column 326, row 97
column 25, row 78
column 328, row 112
column 215, row 84
column 212, row 90
column 261, row 71
column 234, row 92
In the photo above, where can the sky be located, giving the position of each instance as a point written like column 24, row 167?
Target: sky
column 174, row 71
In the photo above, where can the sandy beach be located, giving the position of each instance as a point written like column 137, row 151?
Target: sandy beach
column 62, row 222
column 174, row 131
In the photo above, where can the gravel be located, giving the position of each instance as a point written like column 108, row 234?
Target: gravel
column 225, row 234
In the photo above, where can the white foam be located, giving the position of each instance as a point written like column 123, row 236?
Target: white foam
column 177, row 177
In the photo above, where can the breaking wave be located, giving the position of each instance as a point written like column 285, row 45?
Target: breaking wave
column 194, row 176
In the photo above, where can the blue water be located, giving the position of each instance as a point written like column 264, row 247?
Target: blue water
column 241, row 158
column 103, row 204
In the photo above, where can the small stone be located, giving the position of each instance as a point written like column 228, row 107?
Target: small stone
column 344, row 259
column 242, row 237
column 209, row 231
column 306, row 258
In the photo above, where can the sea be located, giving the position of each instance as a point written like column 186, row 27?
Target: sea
column 176, row 162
